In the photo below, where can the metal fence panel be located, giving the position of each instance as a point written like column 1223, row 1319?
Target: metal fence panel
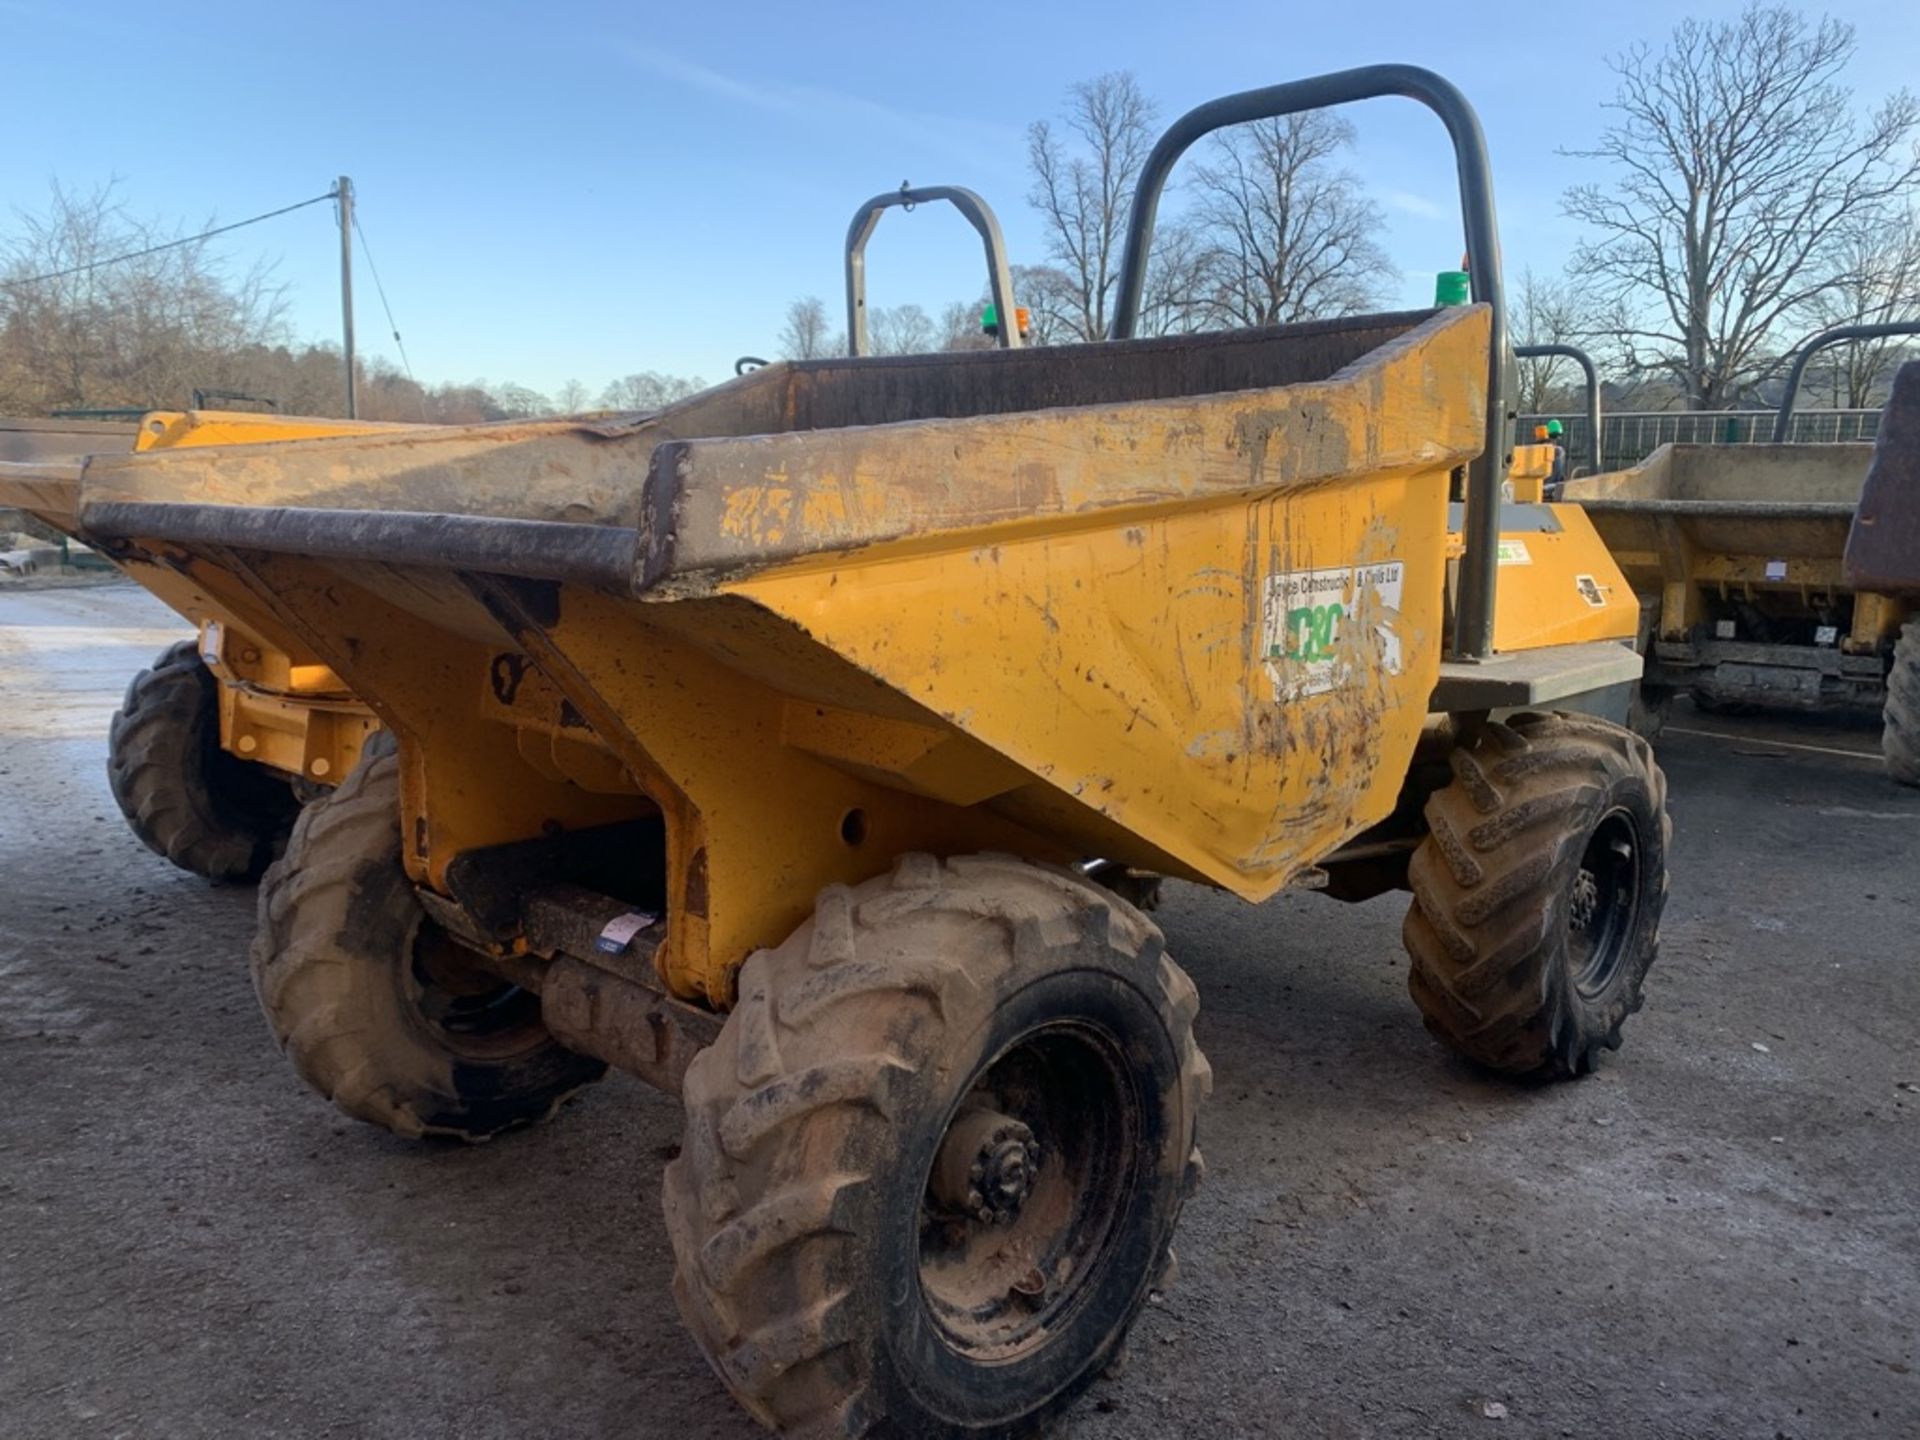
column 1627, row 437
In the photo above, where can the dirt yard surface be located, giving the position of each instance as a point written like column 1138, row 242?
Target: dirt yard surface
column 1717, row 1235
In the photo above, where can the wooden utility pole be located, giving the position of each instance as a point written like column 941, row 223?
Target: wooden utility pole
column 344, row 194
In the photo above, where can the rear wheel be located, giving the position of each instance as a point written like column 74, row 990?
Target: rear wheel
column 934, row 1161
column 1900, row 737
column 1648, row 709
column 1537, row 893
column 184, row 796
column 1650, row 704
column 377, row 1009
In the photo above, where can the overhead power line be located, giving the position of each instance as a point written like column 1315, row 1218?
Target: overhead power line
column 170, row 244
column 381, row 291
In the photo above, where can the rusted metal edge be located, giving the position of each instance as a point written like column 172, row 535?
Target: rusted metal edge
column 662, row 568
column 597, row 555
column 1725, row 509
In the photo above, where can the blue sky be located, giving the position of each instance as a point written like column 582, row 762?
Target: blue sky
column 582, row 189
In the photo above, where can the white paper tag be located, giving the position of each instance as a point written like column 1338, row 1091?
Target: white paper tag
column 620, row 930
column 1776, row 569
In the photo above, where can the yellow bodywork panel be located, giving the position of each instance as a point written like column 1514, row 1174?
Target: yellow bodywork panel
column 1559, row 584
column 1241, row 717
column 1528, row 472
column 279, row 706
column 1175, row 604
column 182, row 429
column 278, row 709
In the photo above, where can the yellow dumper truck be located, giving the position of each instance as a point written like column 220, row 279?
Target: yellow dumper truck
column 1736, row 553
column 217, row 744
column 780, row 748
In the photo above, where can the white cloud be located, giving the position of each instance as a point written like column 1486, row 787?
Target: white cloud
column 975, row 142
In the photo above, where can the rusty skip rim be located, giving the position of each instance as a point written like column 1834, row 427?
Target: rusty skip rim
column 597, row 555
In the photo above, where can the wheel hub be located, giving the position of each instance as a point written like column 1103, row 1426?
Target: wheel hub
column 986, row 1167
column 1586, row 900
column 1604, row 899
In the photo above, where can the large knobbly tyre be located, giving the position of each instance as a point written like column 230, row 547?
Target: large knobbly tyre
column 1648, row 708
column 934, row 1161
column 378, row 1010
column 1649, row 705
column 1537, row 893
column 184, row 796
column 1900, row 734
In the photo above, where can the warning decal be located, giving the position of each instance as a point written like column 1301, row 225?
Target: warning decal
column 1324, row 628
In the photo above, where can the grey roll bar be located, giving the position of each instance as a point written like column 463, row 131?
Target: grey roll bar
column 1585, row 362
column 1479, row 568
column 979, row 214
column 1839, row 335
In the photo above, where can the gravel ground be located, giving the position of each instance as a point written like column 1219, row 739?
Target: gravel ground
column 1714, row 1236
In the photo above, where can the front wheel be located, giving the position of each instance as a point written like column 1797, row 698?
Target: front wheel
column 934, row 1161
column 184, row 797
column 1537, row 893
column 1648, row 708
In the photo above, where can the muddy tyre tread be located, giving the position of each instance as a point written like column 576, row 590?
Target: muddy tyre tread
column 1900, row 732
column 182, row 796
column 318, row 994
column 813, row 1053
column 1487, row 920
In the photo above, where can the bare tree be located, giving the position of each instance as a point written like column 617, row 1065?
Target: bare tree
column 960, row 327
column 1179, row 284
column 901, row 330
column 76, row 330
column 1052, row 303
column 1879, row 283
column 807, row 335
column 1083, row 185
column 1286, row 235
column 1740, row 166
column 520, row 403
column 1549, row 312
column 648, row 390
column 571, row 398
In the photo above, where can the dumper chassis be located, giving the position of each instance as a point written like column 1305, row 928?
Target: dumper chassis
column 220, row 740
column 775, row 748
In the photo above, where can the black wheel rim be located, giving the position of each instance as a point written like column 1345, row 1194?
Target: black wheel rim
column 1605, row 902
column 1053, row 1126
column 466, row 1011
